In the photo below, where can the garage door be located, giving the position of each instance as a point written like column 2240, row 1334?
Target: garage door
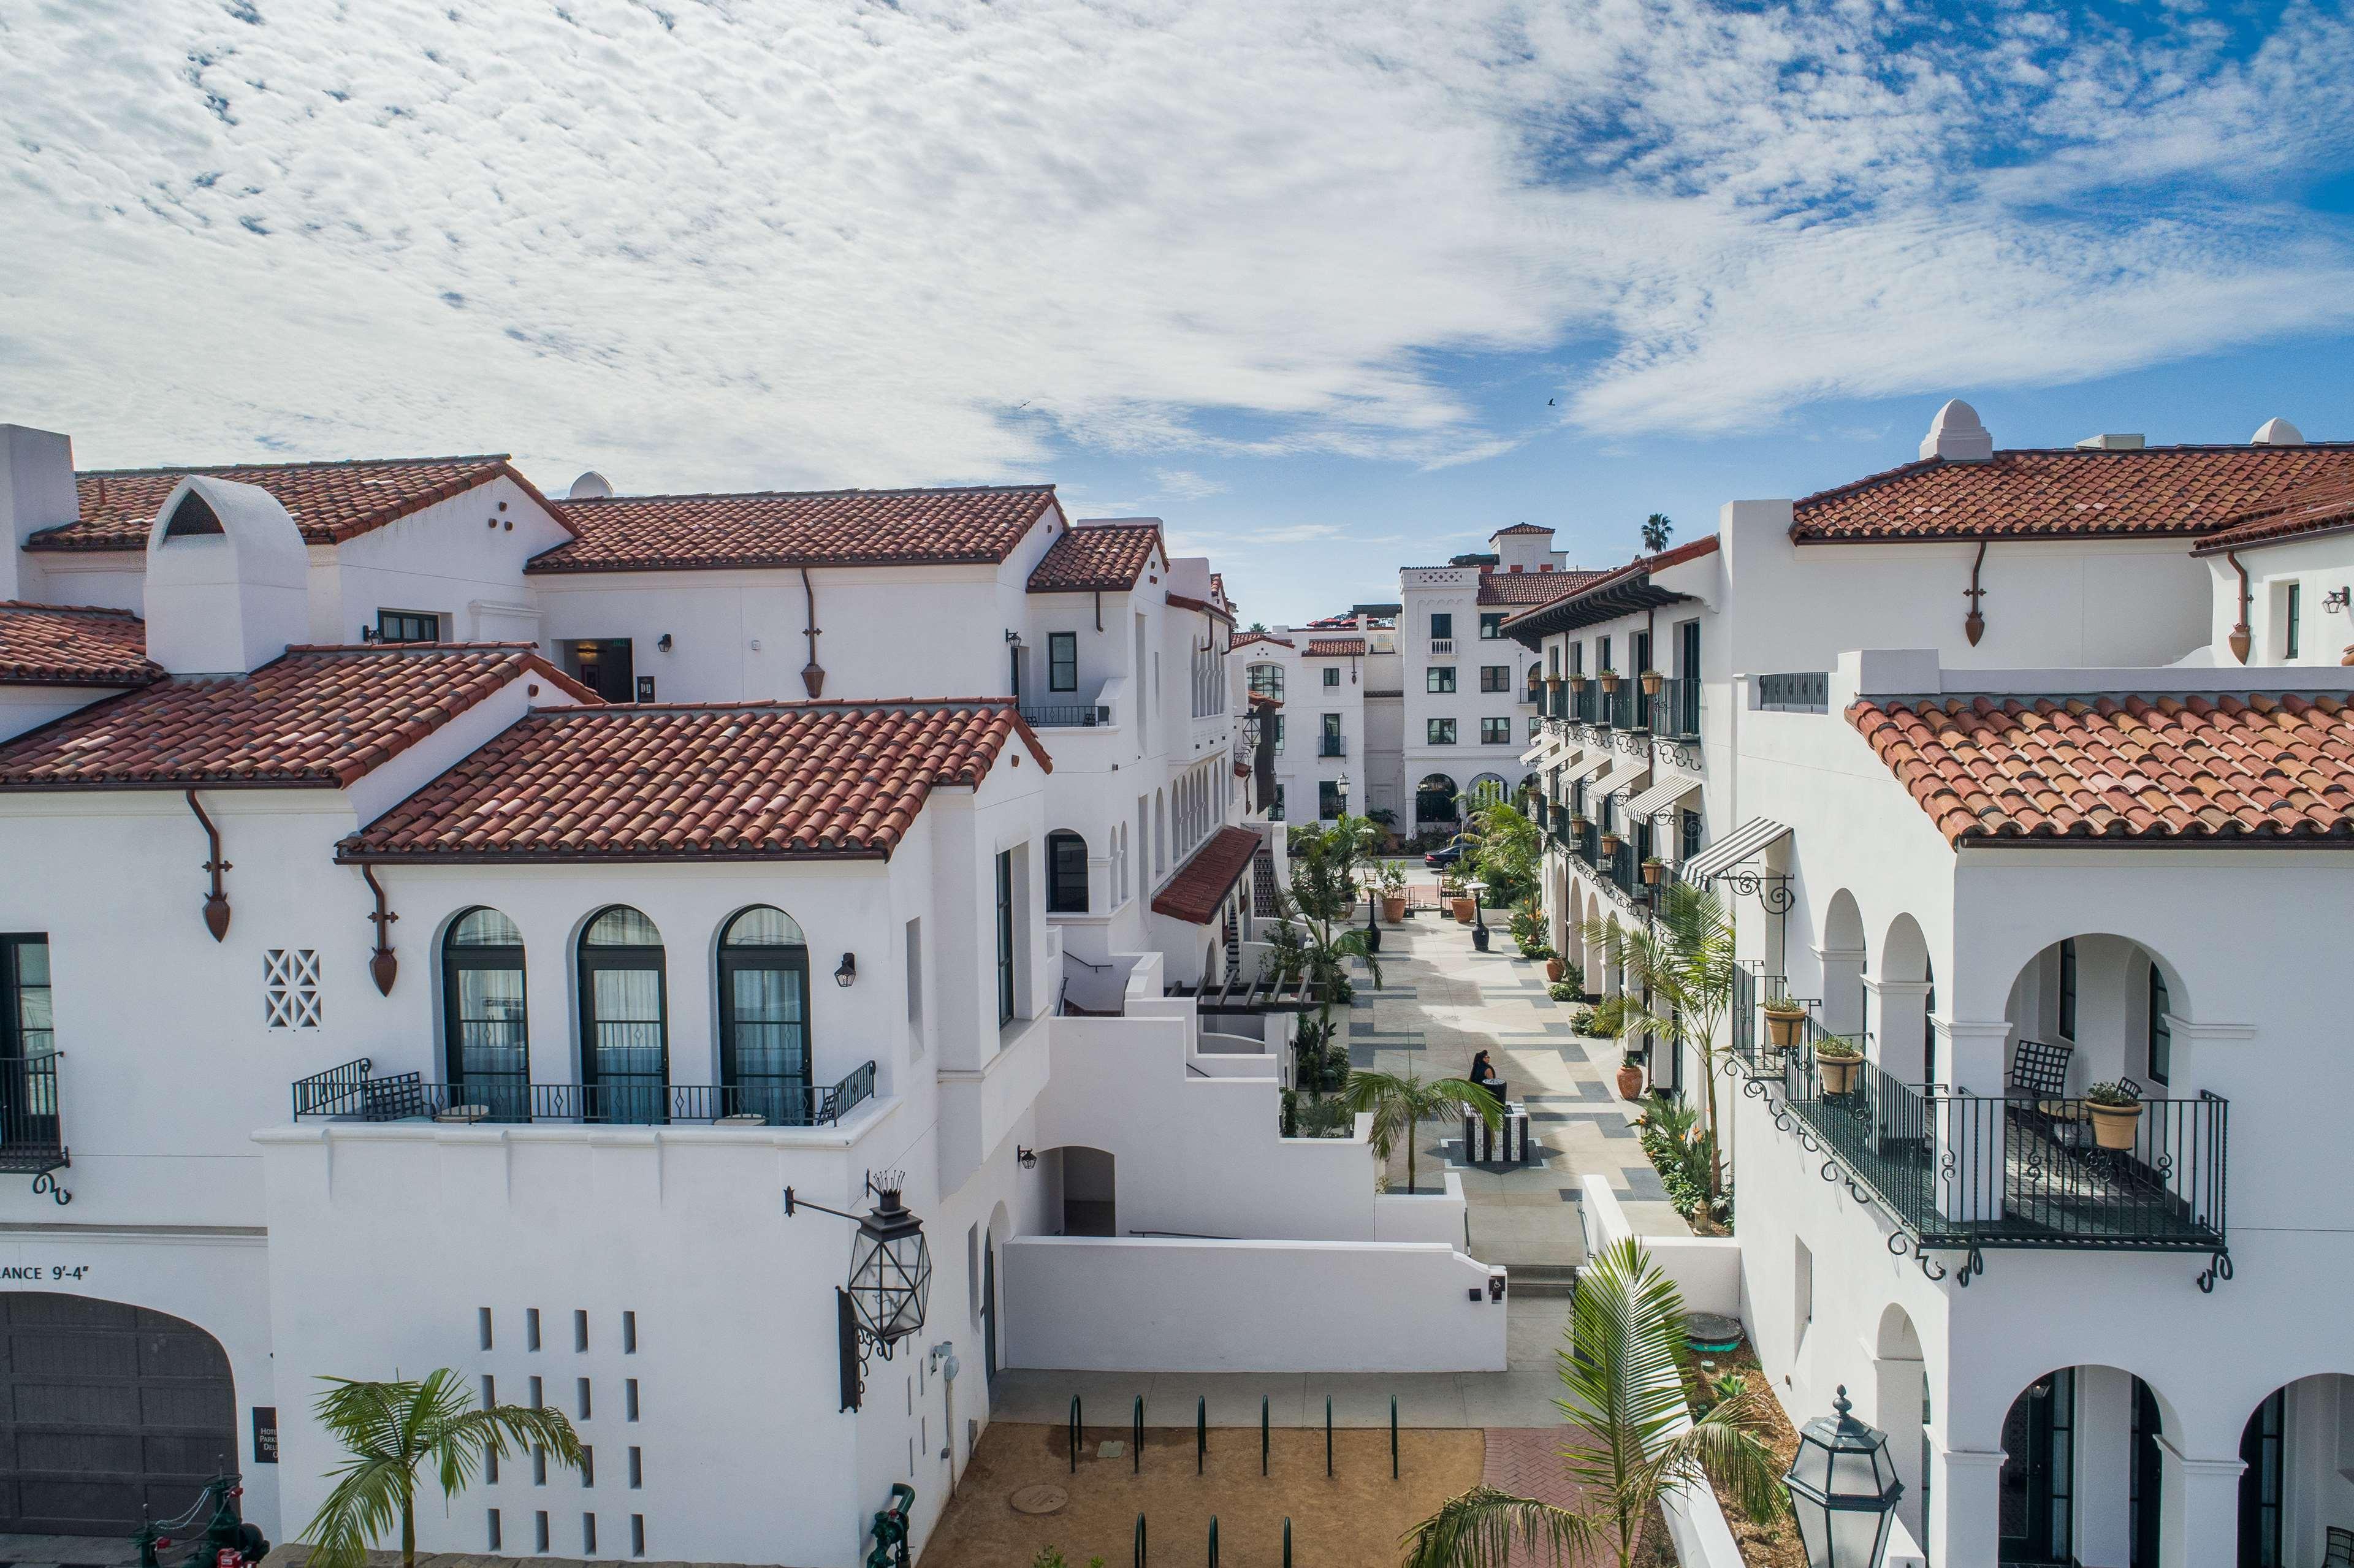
column 107, row 1407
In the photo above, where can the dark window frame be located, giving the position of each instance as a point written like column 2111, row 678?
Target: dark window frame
column 1438, row 732
column 1059, row 843
column 1495, row 678
column 407, row 626
column 1005, row 938
column 1062, row 661
column 2295, row 618
column 1438, row 680
column 1495, row 732
column 760, row 1092
column 592, row 960
column 1442, row 625
column 2068, row 989
column 1491, row 626
column 510, row 1099
column 1331, row 675
column 2160, row 1055
column 1328, row 800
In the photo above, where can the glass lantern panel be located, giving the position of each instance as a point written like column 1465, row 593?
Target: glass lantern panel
column 1856, row 1536
column 1814, row 1531
column 1811, row 1467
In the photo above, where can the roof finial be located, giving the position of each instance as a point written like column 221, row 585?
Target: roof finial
column 1956, row 436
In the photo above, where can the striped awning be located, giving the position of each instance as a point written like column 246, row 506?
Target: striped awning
column 1667, row 793
column 1625, row 781
column 1753, row 837
column 1585, row 768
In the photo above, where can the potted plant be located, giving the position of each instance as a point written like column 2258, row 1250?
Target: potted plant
column 1555, row 967
column 1392, row 893
column 1578, row 681
column 1784, row 1018
column 1609, row 679
column 1630, row 1077
column 1652, row 870
column 1652, row 681
column 2117, row 1115
column 1839, row 1060
column 1578, row 822
column 1609, row 843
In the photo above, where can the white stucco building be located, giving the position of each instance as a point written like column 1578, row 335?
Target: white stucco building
column 2026, row 771
column 444, row 921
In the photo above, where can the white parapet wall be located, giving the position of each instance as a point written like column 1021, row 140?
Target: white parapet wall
column 1423, row 1216
column 1150, row 1304
column 1707, row 1269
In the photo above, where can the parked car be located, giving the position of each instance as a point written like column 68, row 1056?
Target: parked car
column 1447, row 854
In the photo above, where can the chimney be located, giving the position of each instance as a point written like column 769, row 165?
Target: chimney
column 37, row 491
column 590, row 486
column 1956, row 436
column 228, row 580
column 2111, row 443
column 2277, row 432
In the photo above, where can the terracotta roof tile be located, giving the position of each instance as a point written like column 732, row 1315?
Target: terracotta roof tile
column 696, row 782
column 2321, row 508
column 1641, row 566
column 1245, row 639
column 1531, row 588
column 1183, row 602
column 1202, row 884
column 1335, row 647
column 1108, row 556
column 330, row 502
column 978, row 524
column 319, row 717
column 1520, row 528
column 2068, row 493
column 2204, row 767
column 72, row 645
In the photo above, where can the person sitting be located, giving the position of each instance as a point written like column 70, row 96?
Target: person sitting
column 1483, row 1073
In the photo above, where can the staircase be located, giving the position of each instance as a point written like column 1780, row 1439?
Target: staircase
column 1541, row 1278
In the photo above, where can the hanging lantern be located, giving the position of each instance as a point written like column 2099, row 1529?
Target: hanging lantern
column 890, row 1268
column 1843, row 1490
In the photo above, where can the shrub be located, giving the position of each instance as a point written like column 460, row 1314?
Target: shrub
column 1567, row 991
column 1536, row 950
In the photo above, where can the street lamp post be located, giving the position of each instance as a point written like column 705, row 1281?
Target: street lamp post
column 1479, row 915
column 1843, row 1490
column 1373, row 926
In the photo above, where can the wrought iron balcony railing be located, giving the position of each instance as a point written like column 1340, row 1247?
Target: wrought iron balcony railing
column 31, row 1137
column 1675, row 712
column 1959, row 1171
column 1066, row 715
column 1332, row 745
column 354, row 1092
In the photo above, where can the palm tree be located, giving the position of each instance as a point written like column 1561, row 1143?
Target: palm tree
column 390, row 1429
column 1631, row 1441
column 1656, row 529
column 1683, row 974
column 1323, row 893
column 1401, row 1102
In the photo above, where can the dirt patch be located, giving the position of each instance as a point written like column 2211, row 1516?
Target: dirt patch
column 1352, row 1519
column 1773, row 1543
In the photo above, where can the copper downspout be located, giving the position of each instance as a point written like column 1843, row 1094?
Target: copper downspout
column 216, row 901
column 382, row 965
column 2242, row 634
column 1974, row 623
column 812, row 674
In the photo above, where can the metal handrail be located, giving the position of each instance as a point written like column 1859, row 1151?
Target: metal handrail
column 1066, row 715
column 352, row 1092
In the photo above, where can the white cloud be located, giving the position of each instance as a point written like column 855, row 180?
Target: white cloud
column 1185, row 484
column 712, row 245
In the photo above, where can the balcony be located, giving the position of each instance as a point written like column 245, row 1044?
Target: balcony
column 1443, row 647
column 353, row 1092
column 1332, row 745
column 1066, row 715
column 31, row 1139
column 1675, row 712
column 1964, row 1172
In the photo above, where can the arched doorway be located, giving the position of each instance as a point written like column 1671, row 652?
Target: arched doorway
column 764, row 1043
column 2082, row 1477
column 1486, row 790
column 484, row 1030
column 1088, row 1184
column 110, row 1413
column 624, row 1028
column 1434, row 800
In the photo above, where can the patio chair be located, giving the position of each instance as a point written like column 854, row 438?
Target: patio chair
column 2038, row 1087
column 2340, row 1552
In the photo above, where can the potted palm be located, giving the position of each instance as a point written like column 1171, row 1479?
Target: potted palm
column 2117, row 1115
column 1609, row 679
column 1840, row 1062
column 1784, row 1018
column 1653, row 682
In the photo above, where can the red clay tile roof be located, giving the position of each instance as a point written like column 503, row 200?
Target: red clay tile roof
column 1203, row 605
column 2066, row 493
column 1108, row 556
column 1641, row 566
column 2322, row 508
column 738, row 779
column 1335, row 647
column 1202, row 883
column 72, row 645
column 2201, row 768
column 1518, row 528
column 1245, row 639
column 330, row 502
column 317, row 717
column 976, row 524
column 1531, row 588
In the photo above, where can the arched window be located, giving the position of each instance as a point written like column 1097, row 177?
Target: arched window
column 1067, row 873
column 1266, row 681
column 2161, row 1033
column 484, row 1033
column 624, row 1028
column 764, row 1044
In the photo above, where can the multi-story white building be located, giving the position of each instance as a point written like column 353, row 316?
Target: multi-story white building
column 382, row 994
column 1335, row 735
column 1469, row 709
column 2025, row 771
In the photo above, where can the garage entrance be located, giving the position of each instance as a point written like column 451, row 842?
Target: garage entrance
column 106, row 1407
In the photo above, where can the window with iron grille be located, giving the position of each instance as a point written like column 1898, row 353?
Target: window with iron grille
column 290, row 988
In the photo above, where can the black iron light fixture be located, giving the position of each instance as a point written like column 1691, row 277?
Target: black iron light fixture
column 890, row 1280
column 663, row 642
column 846, row 974
column 1843, row 1490
column 1028, row 1157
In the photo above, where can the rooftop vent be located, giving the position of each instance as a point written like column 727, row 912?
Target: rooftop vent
column 2111, row 443
column 1956, row 436
column 2277, row 432
column 590, row 486
column 191, row 516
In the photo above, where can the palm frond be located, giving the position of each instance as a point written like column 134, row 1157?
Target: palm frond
column 1478, row 1528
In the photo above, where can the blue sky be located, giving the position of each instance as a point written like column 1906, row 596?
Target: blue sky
column 1300, row 276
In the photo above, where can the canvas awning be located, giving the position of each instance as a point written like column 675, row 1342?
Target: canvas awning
column 1662, row 796
column 1753, row 837
column 1585, row 768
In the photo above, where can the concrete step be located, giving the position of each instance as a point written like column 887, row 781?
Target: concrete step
column 1541, row 1278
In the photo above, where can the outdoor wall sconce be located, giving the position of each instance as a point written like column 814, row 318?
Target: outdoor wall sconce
column 1843, row 1490
column 663, row 642
column 1495, row 1287
column 890, row 1280
column 1028, row 1157
column 846, row 971
column 2335, row 601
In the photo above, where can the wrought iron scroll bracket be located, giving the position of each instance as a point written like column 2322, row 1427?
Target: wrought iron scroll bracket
column 46, row 1181
column 2219, row 1266
column 1972, row 1267
column 1772, row 892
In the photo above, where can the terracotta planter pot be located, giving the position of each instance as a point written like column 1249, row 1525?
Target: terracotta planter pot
column 1653, row 682
column 1554, row 969
column 1630, row 1081
column 1781, row 1026
column 1608, row 844
column 1652, row 870
column 2113, row 1127
column 1553, row 683
column 1393, row 908
column 1609, row 679
column 1577, row 682
column 1463, row 907
column 1839, row 1073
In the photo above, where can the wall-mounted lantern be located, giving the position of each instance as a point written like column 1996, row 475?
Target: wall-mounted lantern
column 846, row 974
column 890, row 1280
